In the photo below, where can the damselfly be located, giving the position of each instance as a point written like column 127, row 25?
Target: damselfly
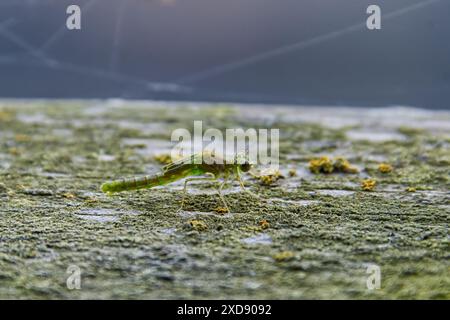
column 195, row 168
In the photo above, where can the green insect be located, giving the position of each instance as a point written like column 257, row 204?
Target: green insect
column 186, row 168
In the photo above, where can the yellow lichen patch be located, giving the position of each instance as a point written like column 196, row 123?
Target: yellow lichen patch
column 264, row 224
column 270, row 176
column 321, row 165
column 14, row 151
column 326, row 165
column 3, row 188
column 368, row 184
column 221, row 210
column 198, row 225
column 283, row 256
column 267, row 180
column 6, row 116
column 411, row 189
column 163, row 158
column 69, row 195
column 343, row 165
column 408, row 131
column 252, row 228
column 292, row 173
column 385, row 168
column 91, row 200
column 22, row 138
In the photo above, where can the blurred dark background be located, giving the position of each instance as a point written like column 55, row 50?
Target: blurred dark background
column 263, row 51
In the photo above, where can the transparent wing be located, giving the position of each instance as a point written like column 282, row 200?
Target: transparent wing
column 189, row 160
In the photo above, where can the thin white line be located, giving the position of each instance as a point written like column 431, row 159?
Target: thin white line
column 21, row 43
column 55, row 64
column 60, row 32
column 231, row 66
column 115, row 53
column 4, row 3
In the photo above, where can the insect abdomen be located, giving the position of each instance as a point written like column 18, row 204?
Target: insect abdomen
column 133, row 183
column 145, row 182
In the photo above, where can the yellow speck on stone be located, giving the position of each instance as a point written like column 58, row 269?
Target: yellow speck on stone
column 321, row 165
column 368, row 184
column 292, row 173
column 3, row 188
column 411, row 189
column 283, row 256
column 221, row 210
column 68, row 195
column 264, row 224
column 14, row 151
column 343, row 165
column 6, row 116
column 252, row 228
column 270, row 176
column 163, row 158
column 22, row 138
column 326, row 165
column 267, row 180
column 198, row 225
column 385, row 168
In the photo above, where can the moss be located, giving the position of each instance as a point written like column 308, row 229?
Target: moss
column 137, row 245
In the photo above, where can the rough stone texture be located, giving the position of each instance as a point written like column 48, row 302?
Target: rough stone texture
column 323, row 231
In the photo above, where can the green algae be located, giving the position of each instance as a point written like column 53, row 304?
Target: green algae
column 148, row 250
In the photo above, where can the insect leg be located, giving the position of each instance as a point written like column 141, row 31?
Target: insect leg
column 219, row 190
column 241, row 183
column 209, row 178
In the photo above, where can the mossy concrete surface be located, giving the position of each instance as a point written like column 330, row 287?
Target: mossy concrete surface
column 314, row 236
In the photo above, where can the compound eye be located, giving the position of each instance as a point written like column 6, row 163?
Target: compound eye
column 245, row 167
